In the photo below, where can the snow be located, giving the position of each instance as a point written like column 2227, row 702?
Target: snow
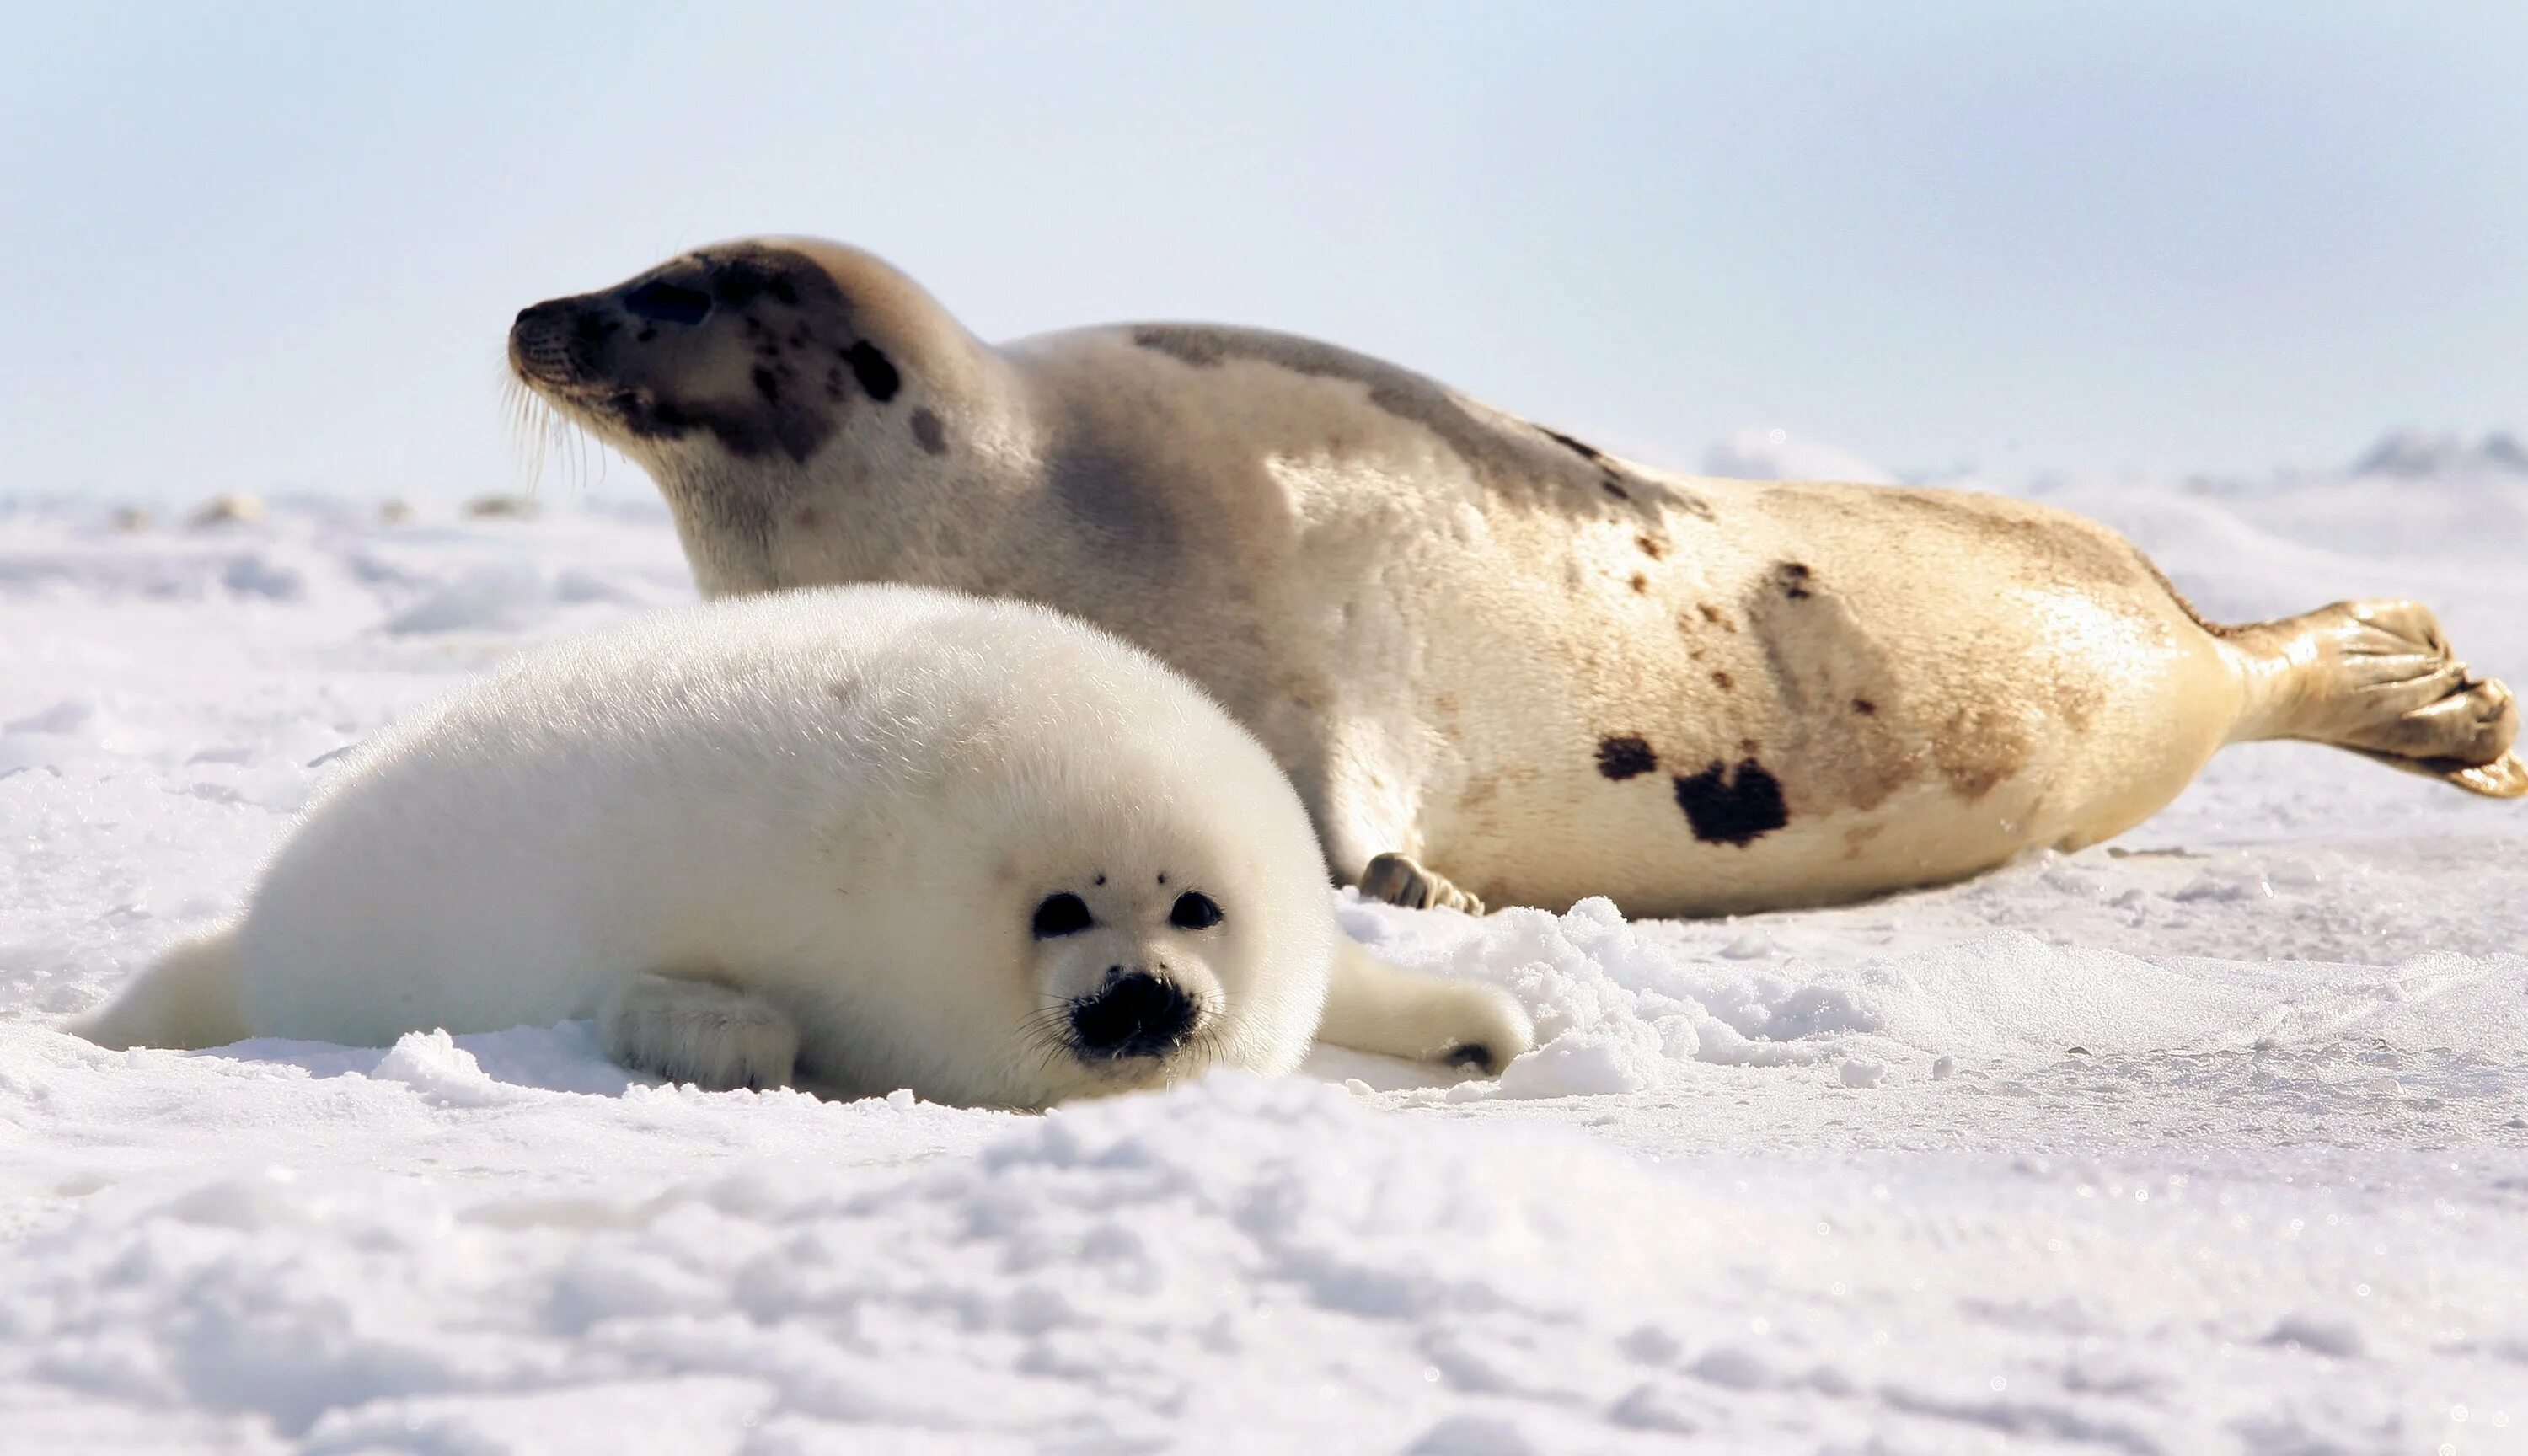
column 1769, row 452
column 2213, row 1139
column 2412, row 454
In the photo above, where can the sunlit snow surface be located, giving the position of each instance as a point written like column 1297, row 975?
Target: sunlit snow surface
column 2212, row 1140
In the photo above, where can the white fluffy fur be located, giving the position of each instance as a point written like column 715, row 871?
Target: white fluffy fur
column 801, row 838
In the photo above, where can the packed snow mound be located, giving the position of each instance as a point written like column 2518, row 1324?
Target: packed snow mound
column 2417, row 455
column 1766, row 452
column 2212, row 1139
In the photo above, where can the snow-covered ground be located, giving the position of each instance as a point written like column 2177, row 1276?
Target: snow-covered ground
column 2214, row 1139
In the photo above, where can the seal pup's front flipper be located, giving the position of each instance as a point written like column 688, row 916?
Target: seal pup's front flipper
column 690, row 1029
column 1377, row 1007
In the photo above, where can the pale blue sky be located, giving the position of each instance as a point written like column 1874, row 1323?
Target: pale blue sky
column 271, row 248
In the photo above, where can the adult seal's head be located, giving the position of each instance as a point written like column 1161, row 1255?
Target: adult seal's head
column 736, row 374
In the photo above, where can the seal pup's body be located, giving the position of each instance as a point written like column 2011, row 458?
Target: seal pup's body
column 859, row 839
column 1497, row 663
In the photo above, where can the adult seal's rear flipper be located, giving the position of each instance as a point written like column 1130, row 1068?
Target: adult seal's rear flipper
column 2505, row 777
column 2380, row 679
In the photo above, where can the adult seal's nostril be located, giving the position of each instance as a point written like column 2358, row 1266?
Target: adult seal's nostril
column 544, row 317
column 1134, row 1015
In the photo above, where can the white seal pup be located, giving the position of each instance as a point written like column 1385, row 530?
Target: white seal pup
column 853, row 840
column 1497, row 663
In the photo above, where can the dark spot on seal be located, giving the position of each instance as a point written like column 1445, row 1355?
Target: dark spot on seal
column 1607, row 484
column 1726, row 807
column 1979, row 746
column 767, row 386
column 663, row 302
column 781, row 288
column 1641, row 583
column 1822, row 662
column 645, row 334
column 1585, row 451
column 1724, row 681
column 1626, row 757
column 1651, row 547
column 737, row 282
column 875, row 372
column 928, row 433
column 2077, row 703
column 805, row 518
column 1105, row 491
column 836, row 388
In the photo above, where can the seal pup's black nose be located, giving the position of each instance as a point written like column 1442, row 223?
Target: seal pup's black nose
column 1134, row 1015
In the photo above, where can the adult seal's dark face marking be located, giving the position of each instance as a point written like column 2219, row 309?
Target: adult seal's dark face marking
column 751, row 346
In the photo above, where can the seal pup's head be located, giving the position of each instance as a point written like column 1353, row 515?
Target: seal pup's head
column 752, row 379
column 1143, row 975
column 1086, row 877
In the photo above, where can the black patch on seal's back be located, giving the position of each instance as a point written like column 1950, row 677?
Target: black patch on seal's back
column 1585, row 451
column 736, row 282
column 1507, row 456
column 1621, row 758
column 875, row 370
column 1723, row 807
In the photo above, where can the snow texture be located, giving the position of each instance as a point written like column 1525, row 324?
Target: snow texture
column 2214, row 1139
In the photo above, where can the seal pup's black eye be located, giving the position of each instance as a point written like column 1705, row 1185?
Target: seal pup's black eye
column 1194, row 911
column 667, row 303
column 1064, row 913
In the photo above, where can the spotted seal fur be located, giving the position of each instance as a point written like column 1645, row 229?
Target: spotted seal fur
column 1499, row 664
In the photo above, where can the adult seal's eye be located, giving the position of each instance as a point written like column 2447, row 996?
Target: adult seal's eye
column 667, row 303
column 1062, row 914
column 1194, row 911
